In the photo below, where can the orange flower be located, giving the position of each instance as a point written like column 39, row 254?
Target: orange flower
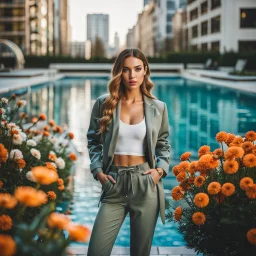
column 199, row 181
column 214, row 188
column 175, row 170
column 247, row 146
column 207, row 162
column 46, row 134
column 78, row 233
column 7, row 201
column 61, row 188
column 177, row 193
column 221, row 136
column 5, row 222
column 177, row 213
column 185, row 156
column 52, row 157
column 34, row 120
column 249, row 160
column 228, row 189
column 198, row 218
column 42, row 117
column 203, row 150
column 51, row 123
column 72, row 157
column 234, row 152
column 21, row 163
column 30, row 196
column 237, row 141
column 44, row 175
column 230, row 166
column 193, row 167
column 1, row 184
column 251, row 191
column 50, row 166
column 183, row 166
column 230, row 138
column 201, row 200
column 181, row 176
column 218, row 153
column 7, row 245
column 57, row 220
column 46, row 128
column 220, row 198
column 71, row 135
column 22, row 114
column 57, row 129
column 246, row 181
column 251, row 136
column 251, row 236
column 51, row 195
column 60, row 182
column 185, row 185
column 3, row 154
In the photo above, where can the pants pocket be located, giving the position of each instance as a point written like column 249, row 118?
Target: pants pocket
column 151, row 181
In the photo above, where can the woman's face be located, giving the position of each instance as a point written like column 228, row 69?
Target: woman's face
column 132, row 73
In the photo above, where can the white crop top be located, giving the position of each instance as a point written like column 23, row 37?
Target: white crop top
column 131, row 139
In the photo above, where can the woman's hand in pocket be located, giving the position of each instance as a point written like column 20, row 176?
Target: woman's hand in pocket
column 154, row 174
column 103, row 178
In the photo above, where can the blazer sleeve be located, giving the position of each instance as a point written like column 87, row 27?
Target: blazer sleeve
column 162, row 150
column 95, row 146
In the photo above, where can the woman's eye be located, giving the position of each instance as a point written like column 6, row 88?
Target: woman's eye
column 138, row 69
column 124, row 70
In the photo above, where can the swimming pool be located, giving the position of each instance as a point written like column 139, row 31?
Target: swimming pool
column 197, row 111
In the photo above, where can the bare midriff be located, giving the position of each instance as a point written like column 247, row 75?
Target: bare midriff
column 128, row 160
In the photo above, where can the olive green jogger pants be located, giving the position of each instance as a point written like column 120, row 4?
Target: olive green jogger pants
column 134, row 193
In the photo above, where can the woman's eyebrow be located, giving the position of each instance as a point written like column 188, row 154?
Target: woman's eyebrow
column 135, row 66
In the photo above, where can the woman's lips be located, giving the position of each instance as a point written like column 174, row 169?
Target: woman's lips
column 132, row 82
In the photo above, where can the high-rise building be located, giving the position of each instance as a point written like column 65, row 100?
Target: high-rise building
column 147, row 2
column 98, row 26
column 38, row 27
column 221, row 25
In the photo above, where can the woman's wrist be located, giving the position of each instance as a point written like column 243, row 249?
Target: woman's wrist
column 160, row 171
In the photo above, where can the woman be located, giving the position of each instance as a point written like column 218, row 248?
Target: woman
column 129, row 152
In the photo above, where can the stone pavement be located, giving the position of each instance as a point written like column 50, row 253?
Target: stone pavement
column 125, row 251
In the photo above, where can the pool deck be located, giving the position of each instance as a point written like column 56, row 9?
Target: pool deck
column 125, row 251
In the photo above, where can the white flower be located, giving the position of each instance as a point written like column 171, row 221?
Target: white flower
column 17, row 139
column 2, row 110
column 4, row 100
column 54, row 165
column 23, row 135
column 37, row 138
column 35, row 153
column 30, row 176
column 60, row 163
column 16, row 154
column 21, row 103
column 11, row 125
column 31, row 143
column 53, row 140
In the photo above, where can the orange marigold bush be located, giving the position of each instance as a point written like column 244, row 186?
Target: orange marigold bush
column 251, row 236
column 7, row 245
column 5, row 222
column 221, row 136
column 249, row 160
column 185, row 156
column 230, row 166
column 214, row 188
column 198, row 218
column 178, row 213
column 246, row 181
column 44, row 175
column 228, row 189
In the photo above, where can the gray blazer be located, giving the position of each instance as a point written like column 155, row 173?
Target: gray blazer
column 102, row 147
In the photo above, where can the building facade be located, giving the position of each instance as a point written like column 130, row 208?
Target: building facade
column 221, row 25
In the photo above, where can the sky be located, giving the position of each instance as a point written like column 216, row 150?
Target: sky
column 123, row 14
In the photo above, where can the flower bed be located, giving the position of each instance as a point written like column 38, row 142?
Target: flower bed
column 35, row 175
column 217, row 215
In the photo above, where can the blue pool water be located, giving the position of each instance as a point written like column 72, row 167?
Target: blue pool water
column 197, row 111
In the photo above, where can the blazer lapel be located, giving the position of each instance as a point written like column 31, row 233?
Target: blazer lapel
column 149, row 112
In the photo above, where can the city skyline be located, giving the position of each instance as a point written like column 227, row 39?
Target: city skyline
column 122, row 16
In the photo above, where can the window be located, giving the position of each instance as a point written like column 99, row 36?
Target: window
column 215, row 4
column 247, row 46
column 215, row 24
column 183, row 4
column 194, row 31
column 215, row 46
column 248, row 18
column 204, row 47
column 194, row 14
column 194, row 47
column 169, row 16
column 170, row 5
column 204, row 28
column 204, row 7
column 168, row 29
column 191, row 1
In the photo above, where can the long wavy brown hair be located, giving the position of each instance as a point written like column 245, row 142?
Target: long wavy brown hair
column 117, row 89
